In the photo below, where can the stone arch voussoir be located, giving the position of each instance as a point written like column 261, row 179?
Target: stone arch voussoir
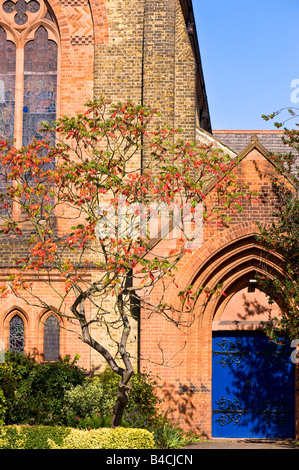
column 236, row 244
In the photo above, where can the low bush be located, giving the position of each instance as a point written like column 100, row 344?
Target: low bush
column 85, row 401
column 91, row 404
column 8, row 386
column 141, row 410
column 3, row 407
column 95, row 421
column 51, row 437
column 107, row 438
column 59, row 393
column 167, row 435
column 31, row 437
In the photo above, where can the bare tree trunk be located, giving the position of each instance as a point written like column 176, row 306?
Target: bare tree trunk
column 124, row 386
column 123, row 393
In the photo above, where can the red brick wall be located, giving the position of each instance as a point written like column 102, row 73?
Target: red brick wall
column 94, row 58
column 124, row 50
column 34, row 317
column 81, row 25
column 230, row 256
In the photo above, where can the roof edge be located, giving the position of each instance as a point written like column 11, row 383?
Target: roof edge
column 247, row 131
column 211, row 138
column 200, row 88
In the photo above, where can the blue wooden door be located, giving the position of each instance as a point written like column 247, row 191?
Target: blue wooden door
column 252, row 387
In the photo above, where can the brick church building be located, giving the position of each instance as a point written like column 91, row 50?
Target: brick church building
column 55, row 56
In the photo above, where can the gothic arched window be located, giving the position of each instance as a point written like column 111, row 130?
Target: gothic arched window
column 16, row 334
column 28, row 69
column 7, row 86
column 51, row 339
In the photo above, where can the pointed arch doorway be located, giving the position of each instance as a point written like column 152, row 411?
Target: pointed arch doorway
column 253, row 393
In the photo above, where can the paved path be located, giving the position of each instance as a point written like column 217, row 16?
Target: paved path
column 243, row 444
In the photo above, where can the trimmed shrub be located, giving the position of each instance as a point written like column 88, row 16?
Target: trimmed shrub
column 52, row 437
column 107, row 438
column 94, row 421
column 31, row 437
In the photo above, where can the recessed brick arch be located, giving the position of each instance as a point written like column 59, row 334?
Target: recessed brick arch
column 234, row 272
column 233, row 284
column 100, row 21
column 13, row 303
column 61, row 19
column 45, row 313
column 231, row 266
column 232, row 257
column 15, row 311
column 16, row 306
column 236, row 283
column 196, row 267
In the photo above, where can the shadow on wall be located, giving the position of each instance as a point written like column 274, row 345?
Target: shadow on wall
column 253, row 308
column 181, row 408
column 249, row 305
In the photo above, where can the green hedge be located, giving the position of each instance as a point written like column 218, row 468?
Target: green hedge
column 107, row 438
column 31, row 437
column 51, row 437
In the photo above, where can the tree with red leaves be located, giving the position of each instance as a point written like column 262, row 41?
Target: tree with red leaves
column 87, row 205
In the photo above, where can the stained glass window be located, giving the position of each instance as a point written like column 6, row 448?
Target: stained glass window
column 28, row 69
column 7, row 86
column 7, row 93
column 40, row 84
column 16, row 334
column 51, row 339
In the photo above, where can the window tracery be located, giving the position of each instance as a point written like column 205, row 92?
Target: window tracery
column 16, row 334
column 20, row 8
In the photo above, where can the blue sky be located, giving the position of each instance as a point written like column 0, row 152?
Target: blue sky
column 250, row 57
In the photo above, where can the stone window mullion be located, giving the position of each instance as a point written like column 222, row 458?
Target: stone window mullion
column 19, row 93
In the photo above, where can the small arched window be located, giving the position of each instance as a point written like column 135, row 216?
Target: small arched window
column 16, row 334
column 51, row 339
